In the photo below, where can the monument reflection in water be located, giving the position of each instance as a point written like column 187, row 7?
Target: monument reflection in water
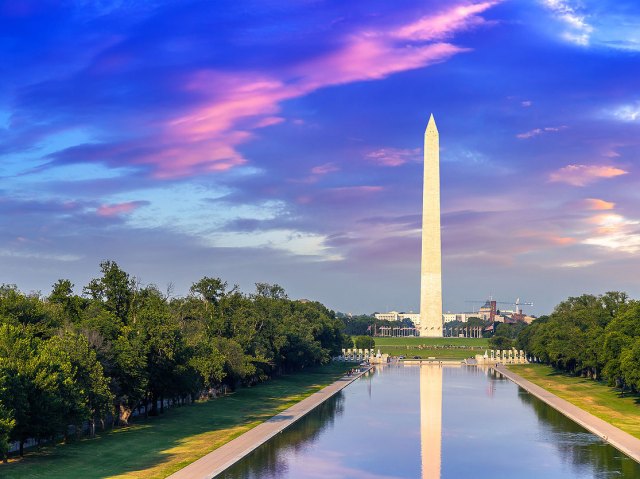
column 431, row 420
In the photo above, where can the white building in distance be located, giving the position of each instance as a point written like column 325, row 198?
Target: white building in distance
column 399, row 316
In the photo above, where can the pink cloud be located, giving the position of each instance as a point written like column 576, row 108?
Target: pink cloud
column 317, row 172
column 441, row 26
column 534, row 239
column 118, row 209
column 560, row 240
column 268, row 121
column 539, row 131
column 582, row 175
column 324, row 169
column 393, row 156
column 206, row 137
column 598, row 204
column 365, row 58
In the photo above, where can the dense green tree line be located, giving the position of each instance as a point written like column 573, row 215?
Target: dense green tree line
column 68, row 360
column 505, row 334
column 594, row 336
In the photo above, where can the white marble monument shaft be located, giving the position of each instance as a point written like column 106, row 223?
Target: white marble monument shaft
column 431, row 270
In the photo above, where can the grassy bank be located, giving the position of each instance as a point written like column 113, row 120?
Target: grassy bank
column 441, row 348
column 594, row 397
column 158, row 447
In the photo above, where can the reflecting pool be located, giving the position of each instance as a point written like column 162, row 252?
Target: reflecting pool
column 434, row 422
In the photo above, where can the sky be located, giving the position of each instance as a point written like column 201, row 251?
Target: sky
column 280, row 141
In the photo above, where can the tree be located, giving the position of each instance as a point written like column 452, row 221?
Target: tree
column 475, row 322
column 27, row 310
column 62, row 294
column 6, row 425
column 114, row 289
column 86, row 374
column 272, row 291
column 614, row 344
column 210, row 289
column 129, row 378
column 17, row 347
column 364, row 342
column 208, row 362
column 164, row 346
column 630, row 365
column 500, row 342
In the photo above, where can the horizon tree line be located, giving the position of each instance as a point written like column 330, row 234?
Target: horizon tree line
column 67, row 360
column 593, row 336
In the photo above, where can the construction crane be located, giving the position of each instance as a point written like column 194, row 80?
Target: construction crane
column 493, row 305
column 523, row 303
column 517, row 302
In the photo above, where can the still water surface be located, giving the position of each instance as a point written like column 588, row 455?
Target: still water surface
column 490, row 428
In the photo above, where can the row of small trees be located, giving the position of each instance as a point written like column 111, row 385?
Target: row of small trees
column 594, row 336
column 367, row 325
column 70, row 360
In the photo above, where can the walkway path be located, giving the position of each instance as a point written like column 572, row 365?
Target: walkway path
column 217, row 461
column 619, row 439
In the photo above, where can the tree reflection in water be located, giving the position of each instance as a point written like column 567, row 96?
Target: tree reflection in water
column 584, row 451
column 270, row 460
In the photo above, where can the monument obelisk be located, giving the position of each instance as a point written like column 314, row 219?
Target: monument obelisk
column 431, row 269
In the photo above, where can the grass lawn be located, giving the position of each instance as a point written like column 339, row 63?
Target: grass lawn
column 594, row 397
column 441, row 348
column 158, row 447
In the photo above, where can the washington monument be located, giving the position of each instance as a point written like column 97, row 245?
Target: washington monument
column 431, row 269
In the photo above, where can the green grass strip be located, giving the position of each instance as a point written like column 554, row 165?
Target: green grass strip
column 440, row 348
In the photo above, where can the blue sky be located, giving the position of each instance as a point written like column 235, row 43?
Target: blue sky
column 281, row 141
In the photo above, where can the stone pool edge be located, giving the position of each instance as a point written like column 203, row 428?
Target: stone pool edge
column 622, row 441
column 212, row 464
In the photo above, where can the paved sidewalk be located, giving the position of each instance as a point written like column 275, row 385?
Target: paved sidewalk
column 619, row 439
column 220, row 459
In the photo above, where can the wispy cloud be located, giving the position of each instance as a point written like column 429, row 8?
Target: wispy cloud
column 393, row 156
column 324, row 169
column 577, row 29
column 593, row 23
column 118, row 209
column 614, row 232
column 597, row 204
column 627, row 113
column 583, row 175
column 543, row 238
column 441, row 26
column 577, row 264
column 539, row 131
column 317, row 172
